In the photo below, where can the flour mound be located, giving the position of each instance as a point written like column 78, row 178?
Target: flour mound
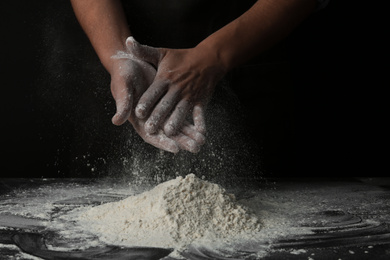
column 173, row 214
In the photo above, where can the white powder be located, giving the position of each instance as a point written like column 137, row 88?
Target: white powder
column 173, row 214
column 286, row 211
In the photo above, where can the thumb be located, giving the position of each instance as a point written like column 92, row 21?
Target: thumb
column 124, row 105
column 143, row 52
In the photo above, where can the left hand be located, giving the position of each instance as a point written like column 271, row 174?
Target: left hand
column 184, row 83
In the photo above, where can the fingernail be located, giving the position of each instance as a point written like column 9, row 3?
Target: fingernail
column 169, row 130
column 175, row 150
column 140, row 111
column 172, row 148
column 193, row 147
column 200, row 139
column 115, row 120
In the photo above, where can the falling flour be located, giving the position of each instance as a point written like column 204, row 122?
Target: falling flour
column 172, row 214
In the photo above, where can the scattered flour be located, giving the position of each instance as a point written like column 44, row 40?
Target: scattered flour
column 173, row 214
column 298, row 251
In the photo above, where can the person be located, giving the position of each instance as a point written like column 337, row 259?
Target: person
column 164, row 91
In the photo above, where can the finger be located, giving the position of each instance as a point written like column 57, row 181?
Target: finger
column 199, row 118
column 162, row 142
column 150, row 98
column 143, row 52
column 177, row 118
column 186, row 143
column 190, row 131
column 124, row 105
column 160, row 112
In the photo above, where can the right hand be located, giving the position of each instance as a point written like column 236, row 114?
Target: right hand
column 130, row 78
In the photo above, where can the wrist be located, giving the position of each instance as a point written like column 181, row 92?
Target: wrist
column 109, row 60
column 210, row 52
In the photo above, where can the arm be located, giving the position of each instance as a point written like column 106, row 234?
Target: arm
column 105, row 24
column 262, row 26
column 186, row 78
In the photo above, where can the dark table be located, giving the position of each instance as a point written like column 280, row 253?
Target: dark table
column 347, row 219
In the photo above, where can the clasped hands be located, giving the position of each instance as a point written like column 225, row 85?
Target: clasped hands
column 163, row 93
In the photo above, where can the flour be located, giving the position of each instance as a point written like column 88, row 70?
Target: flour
column 289, row 212
column 173, row 215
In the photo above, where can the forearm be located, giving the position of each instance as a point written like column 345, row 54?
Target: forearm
column 263, row 25
column 105, row 24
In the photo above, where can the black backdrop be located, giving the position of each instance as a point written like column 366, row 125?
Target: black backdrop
column 56, row 107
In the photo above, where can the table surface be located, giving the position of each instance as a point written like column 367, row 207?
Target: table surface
column 341, row 219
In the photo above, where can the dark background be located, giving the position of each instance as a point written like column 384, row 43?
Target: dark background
column 56, row 104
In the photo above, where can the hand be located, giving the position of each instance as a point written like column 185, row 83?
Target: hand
column 129, row 80
column 184, row 83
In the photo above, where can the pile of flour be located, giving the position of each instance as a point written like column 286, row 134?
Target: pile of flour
column 173, row 214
